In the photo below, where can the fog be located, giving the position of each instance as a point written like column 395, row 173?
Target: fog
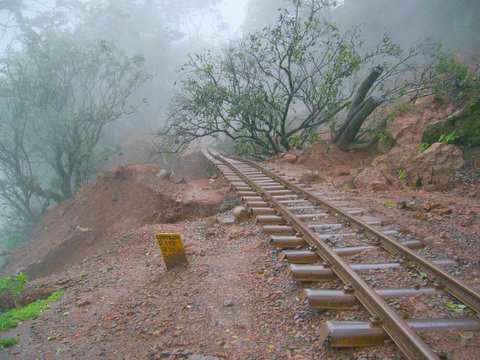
column 164, row 32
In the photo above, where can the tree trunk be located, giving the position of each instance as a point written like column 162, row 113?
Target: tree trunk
column 358, row 101
column 347, row 137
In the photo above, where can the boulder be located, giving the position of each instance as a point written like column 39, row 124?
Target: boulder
column 372, row 178
column 240, row 213
column 435, row 166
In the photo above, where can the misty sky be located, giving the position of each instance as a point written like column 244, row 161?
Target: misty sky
column 232, row 15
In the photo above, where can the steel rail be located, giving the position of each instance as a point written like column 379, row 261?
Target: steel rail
column 384, row 316
column 459, row 289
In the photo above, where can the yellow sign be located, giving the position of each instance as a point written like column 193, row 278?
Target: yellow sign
column 171, row 247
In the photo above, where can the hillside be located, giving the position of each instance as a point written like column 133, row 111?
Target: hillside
column 232, row 301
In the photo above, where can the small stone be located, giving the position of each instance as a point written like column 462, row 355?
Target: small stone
column 83, row 303
column 342, row 173
column 202, row 357
column 420, row 216
column 228, row 303
column 401, row 205
column 211, row 181
column 290, row 158
column 164, row 174
column 180, row 181
column 226, row 220
column 443, row 211
column 379, row 186
column 240, row 213
column 411, row 205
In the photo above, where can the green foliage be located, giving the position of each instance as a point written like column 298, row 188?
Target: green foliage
column 389, row 203
column 210, row 171
column 448, row 138
column 456, row 306
column 346, row 186
column 7, row 342
column 386, row 140
column 295, row 141
column 404, row 107
column 467, row 125
column 13, row 286
column 251, row 90
column 13, row 317
column 313, row 137
column 422, row 147
column 457, row 80
column 11, row 241
column 435, row 130
column 401, row 174
column 56, row 95
column 463, row 129
column 421, row 275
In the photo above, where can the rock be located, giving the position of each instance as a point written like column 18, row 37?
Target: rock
column 240, row 213
column 211, row 181
column 83, row 230
column 412, row 206
column 435, row 166
column 374, row 176
column 430, row 206
column 180, row 181
column 290, row 158
column 378, row 186
column 83, row 303
column 342, row 173
column 226, row 220
column 202, row 357
column 164, row 174
column 420, row 216
column 228, row 303
column 443, row 211
column 401, row 205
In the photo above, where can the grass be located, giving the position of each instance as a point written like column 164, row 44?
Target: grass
column 7, row 342
column 390, row 203
column 13, row 317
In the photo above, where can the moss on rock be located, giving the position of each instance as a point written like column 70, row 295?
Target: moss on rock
column 465, row 125
column 468, row 125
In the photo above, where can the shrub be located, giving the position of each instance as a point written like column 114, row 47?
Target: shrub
column 13, row 286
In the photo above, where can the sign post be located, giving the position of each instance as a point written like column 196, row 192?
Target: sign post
column 171, row 247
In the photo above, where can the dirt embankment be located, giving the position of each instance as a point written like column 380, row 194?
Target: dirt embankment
column 125, row 198
column 232, row 301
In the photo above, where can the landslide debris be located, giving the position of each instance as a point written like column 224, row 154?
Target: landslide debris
column 122, row 199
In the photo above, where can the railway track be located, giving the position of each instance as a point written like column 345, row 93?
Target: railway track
column 323, row 239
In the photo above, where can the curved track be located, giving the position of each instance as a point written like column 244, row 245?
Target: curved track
column 325, row 234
